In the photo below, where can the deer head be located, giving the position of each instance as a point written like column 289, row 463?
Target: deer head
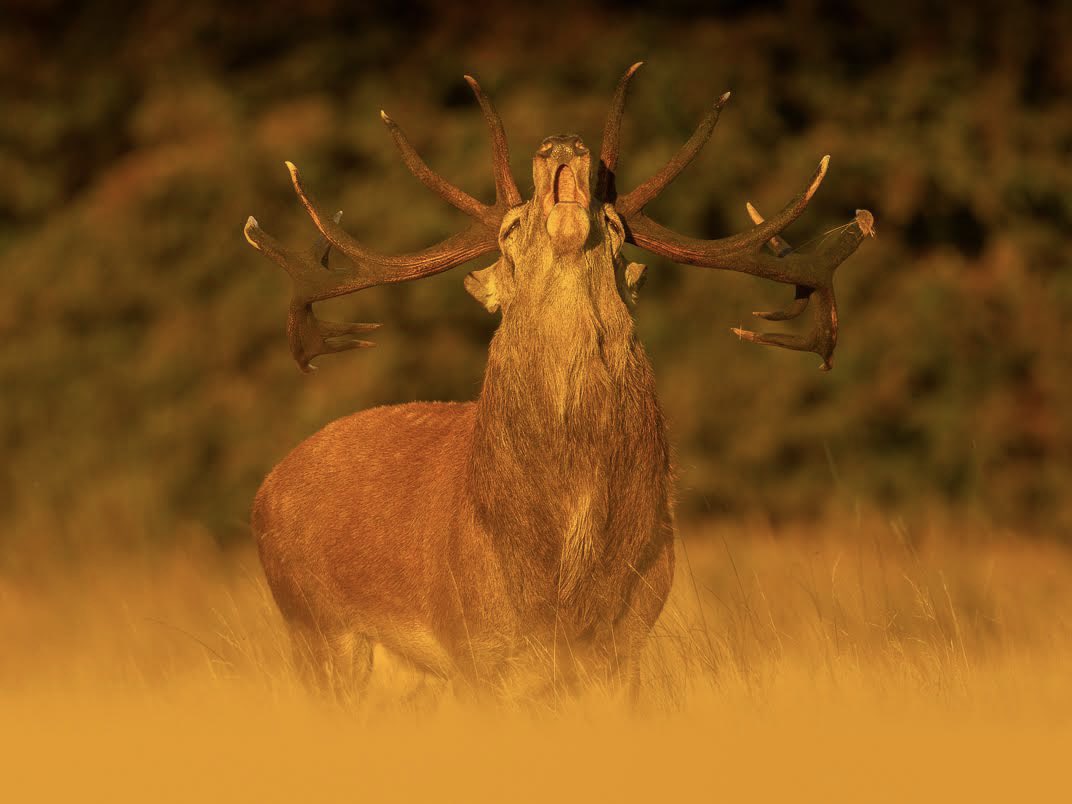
column 571, row 225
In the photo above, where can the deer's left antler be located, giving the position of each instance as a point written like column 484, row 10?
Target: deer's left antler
column 312, row 279
column 812, row 274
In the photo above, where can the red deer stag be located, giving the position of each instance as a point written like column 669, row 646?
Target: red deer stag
column 524, row 539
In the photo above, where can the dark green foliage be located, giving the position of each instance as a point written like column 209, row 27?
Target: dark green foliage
column 145, row 373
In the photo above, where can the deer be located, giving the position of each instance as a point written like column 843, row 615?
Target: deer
column 522, row 542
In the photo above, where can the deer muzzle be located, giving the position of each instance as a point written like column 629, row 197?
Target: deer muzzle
column 560, row 173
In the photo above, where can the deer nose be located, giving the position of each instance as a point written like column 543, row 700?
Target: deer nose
column 562, row 148
column 560, row 172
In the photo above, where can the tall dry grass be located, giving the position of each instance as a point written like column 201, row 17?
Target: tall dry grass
column 863, row 661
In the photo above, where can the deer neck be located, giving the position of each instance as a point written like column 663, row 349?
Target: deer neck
column 564, row 355
column 567, row 419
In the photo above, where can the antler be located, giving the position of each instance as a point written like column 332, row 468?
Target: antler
column 315, row 281
column 812, row 274
column 608, row 156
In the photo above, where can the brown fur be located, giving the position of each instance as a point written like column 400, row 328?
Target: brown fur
column 518, row 541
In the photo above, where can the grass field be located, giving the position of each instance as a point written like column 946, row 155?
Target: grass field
column 147, row 388
column 864, row 661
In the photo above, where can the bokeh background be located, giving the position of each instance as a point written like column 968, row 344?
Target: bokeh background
column 147, row 387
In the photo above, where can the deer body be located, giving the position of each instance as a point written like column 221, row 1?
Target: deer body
column 524, row 539
column 466, row 566
column 519, row 531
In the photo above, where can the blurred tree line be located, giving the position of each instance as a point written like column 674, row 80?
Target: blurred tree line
column 147, row 386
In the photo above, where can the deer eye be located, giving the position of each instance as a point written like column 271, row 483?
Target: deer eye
column 511, row 223
column 510, row 228
column 614, row 227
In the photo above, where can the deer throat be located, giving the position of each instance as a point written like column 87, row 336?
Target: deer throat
column 567, row 222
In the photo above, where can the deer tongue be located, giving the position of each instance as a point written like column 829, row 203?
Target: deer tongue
column 567, row 222
column 565, row 188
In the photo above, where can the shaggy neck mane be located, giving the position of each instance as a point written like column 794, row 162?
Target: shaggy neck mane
column 568, row 434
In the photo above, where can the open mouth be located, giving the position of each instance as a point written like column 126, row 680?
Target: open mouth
column 564, row 188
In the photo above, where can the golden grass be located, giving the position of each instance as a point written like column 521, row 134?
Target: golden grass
column 865, row 662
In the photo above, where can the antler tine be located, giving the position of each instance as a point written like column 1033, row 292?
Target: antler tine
column 781, row 248
column 313, row 281
column 506, row 192
column 477, row 239
column 308, row 335
column 776, row 243
column 812, row 275
column 638, row 198
column 823, row 336
column 608, row 156
column 321, row 246
column 725, row 252
column 434, row 182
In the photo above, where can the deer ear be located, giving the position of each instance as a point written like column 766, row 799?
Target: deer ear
column 492, row 286
column 635, row 276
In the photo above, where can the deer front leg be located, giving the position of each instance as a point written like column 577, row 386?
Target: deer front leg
column 643, row 607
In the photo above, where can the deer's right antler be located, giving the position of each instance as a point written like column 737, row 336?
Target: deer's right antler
column 812, row 275
column 315, row 281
